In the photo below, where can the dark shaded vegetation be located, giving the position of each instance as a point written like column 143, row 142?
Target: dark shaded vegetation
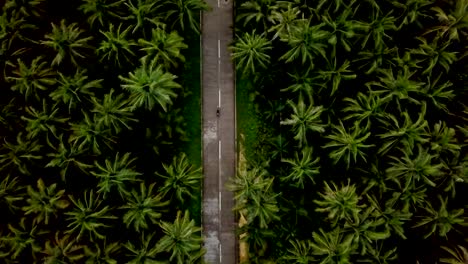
column 361, row 120
column 100, row 131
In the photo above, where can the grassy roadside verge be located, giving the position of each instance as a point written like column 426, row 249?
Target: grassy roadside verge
column 192, row 113
column 247, row 120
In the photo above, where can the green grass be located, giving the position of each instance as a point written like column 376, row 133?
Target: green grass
column 247, row 120
column 191, row 103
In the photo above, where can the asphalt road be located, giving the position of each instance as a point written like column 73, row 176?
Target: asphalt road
column 219, row 141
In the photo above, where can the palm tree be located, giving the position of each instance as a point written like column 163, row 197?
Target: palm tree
column 250, row 52
column 439, row 92
column 443, row 139
column 104, row 253
column 143, row 206
column 303, row 85
column 249, row 185
column 115, row 174
column 363, row 108
column 459, row 255
column 441, row 221
column 73, row 90
column 10, row 193
column 256, row 239
column 18, row 155
column 434, row 54
column 8, row 114
column 28, row 80
column 393, row 217
column 88, row 135
column 304, row 119
column 305, row 43
column 149, row 86
column 379, row 254
column 374, row 179
column 181, row 179
column 23, row 236
column 255, row 197
column 328, row 5
column 113, row 112
column 279, row 145
column 181, row 239
column 116, row 46
column 62, row 250
column 259, row 11
column 347, row 144
column 332, row 247
column 65, row 157
column 408, row 200
column 100, row 10
column 163, row 48
column 406, row 134
column 283, row 20
column 65, row 40
column 185, row 13
column 300, row 252
column 24, row 7
column 43, row 121
column 378, row 28
column 3, row 250
column 141, row 15
column 44, row 202
column 410, row 170
column 143, row 253
column 88, row 217
column 413, row 11
column 262, row 210
column 454, row 23
column 339, row 203
column 366, row 230
column 12, row 26
column 408, row 60
column 399, row 87
column 375, row 59
column 303, row 167
column 455, row 174
column 335, row 75
column 342, row 29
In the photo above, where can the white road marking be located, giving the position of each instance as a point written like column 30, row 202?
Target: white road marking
column 219, row 149
column 220, row 253
column 218, row 3
column 219, row 98
column 219, row 49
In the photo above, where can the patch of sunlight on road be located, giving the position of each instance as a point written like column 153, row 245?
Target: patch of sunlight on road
column 210, row 133
column 212, row 236
column 211, row 246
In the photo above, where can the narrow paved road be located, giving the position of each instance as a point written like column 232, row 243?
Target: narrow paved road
column 219, row 151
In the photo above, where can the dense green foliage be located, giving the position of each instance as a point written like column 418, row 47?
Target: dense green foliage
column 96, row 162
column 360, row 150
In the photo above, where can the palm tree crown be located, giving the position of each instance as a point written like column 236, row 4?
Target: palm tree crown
column 303, row 119
column 181, row 239
column 150, row 86
column 65, row 40
column 250, row 53
column 163, row 48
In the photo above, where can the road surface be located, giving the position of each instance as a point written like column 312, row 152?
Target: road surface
column 219, row 141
